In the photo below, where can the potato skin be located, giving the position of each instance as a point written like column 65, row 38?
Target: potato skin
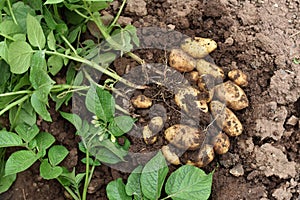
column 184, row 137
column 238, row 77
column 141, row 101
column 198, row 47
column 221, row 143
column 234, row 96
column 181, row 61
column 150, row 131
column 226, row 119
column 170, row 156
column 205, row 67
column 203, row 157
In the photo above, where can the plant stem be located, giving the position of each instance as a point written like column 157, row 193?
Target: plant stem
column 7, row 37
column 117, row 16
column 11, row 12
column 91, row 173
column 9, row 106
column 86, row 182
column 75, row 197
column 69, row 44
column 15, row 93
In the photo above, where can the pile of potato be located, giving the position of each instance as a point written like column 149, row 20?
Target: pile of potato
column 221, row 97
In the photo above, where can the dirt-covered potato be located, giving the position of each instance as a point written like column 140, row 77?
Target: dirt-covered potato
column 192, row 76
column 170, row 156
column 203, row 156
column 198, row 47
column 205, row 67
column 238, row 77
column 181, row 61
column 141, row 101
column 226, row 119
column 187, row 99
column 184, row 137
column 221, row 143
column 150, row 131
column 206, row 83
column 234, row 96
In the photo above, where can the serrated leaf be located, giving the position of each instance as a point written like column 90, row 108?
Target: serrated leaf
column 20, row 161
column 51, row 41
column 48, row 172
column 153, row 176
column 115, row 190
column 189, row 182
column 35, row 32
column 27, row 132
column 55, row 63
column 6, row 182
column 121, row 125
column 133, row 186
column 44, row 140
column 9, row 139
column 40, row 107
column 73, row 119
column 57, row 154
column 19, row 57
column 53, row 1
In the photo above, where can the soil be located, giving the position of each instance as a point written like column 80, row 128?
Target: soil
column 260, row 37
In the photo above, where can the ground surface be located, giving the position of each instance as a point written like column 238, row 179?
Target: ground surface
column 259, row 37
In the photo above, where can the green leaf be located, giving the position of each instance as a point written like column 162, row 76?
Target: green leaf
column 19, row 57
column 110, row 147
column 35, row 32
column 57, row 154
column 6, row 182
column 53, row 1
column 21, row 11
column 20, row 37
column 3, row 51
column 27, row 132
column 73, row 119
column 40, row 107
column 115, row 190
column 121, row 125
column 51, row 41
column 55, row 63
column 44, row 140
column 100, row 102
column 153, row 176
column 25, row 115
column 8, row 27
column 20, row 161
column 51, row 23
column 133, row 186
column 189, row 182
column 9, row 139
column 4, row 77
column 48, row 172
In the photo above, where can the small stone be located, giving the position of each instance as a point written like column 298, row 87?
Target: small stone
column 124, row 20
column 139, row 7
column 171, row 26
column 237, row 171
column 293, row 120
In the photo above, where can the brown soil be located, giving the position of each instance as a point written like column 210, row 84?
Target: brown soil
column 259, row 37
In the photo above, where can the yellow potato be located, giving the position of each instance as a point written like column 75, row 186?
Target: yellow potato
column 187, row 99
column 184, row 137
column 205, row 67
column 199, row 47
column 238, row 77
column 221, row 143
column 203, row 157
column 206, row 85
column 234, row 96
column 141, row 101
column 151, row 130
column 226, row 119
column 182, row 62
column 170, row 156
column 192, row 76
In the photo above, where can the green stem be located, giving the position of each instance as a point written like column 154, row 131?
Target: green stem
column 16, row 116
column 7, row 37
column 117, row 16
column 86, row 182
column 69, row 44
column 11, row 12
column 91, row 173
column 81, row 14
column 15, row 93
column 75, row 197
column 9, row 106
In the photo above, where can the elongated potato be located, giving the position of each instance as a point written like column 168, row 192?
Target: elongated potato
column 181, row 61
column 206, row 83
column 205, row 67
column 170, row 156
column 187, row 99
column 199, row 47
column 141, row 101
column 238, row 77
column 221, row 143
column 226, row 119
column 203, row 157
column 234, row 96
column 150, row 131
column 184, row 137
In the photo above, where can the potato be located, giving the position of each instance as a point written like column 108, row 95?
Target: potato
column 221, row 143
column 187, row 99
column 234, row 96
column 141, row 101
column 205, row 67
column 184, row 137
column 170, row 156
column 199, row 47
column 206, row 85
column 151, row 130
column 203, row 156
column 181, row 61
column 226, row 119
column 238, row 77
column 192, row 76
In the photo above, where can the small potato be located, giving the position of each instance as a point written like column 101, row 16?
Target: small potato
column 203, row 157
column 234, row 96
column 184, row 137
column 181, row 61
column 150, row 131
column 141, row 101
column 238, row 77
column 206, row 85
column 205, row 67
column 192, row 76
column 188, row 100
column 170, row 156
column 199, row 47
column 149, row 137
column 226, row 119
column 221, row 143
